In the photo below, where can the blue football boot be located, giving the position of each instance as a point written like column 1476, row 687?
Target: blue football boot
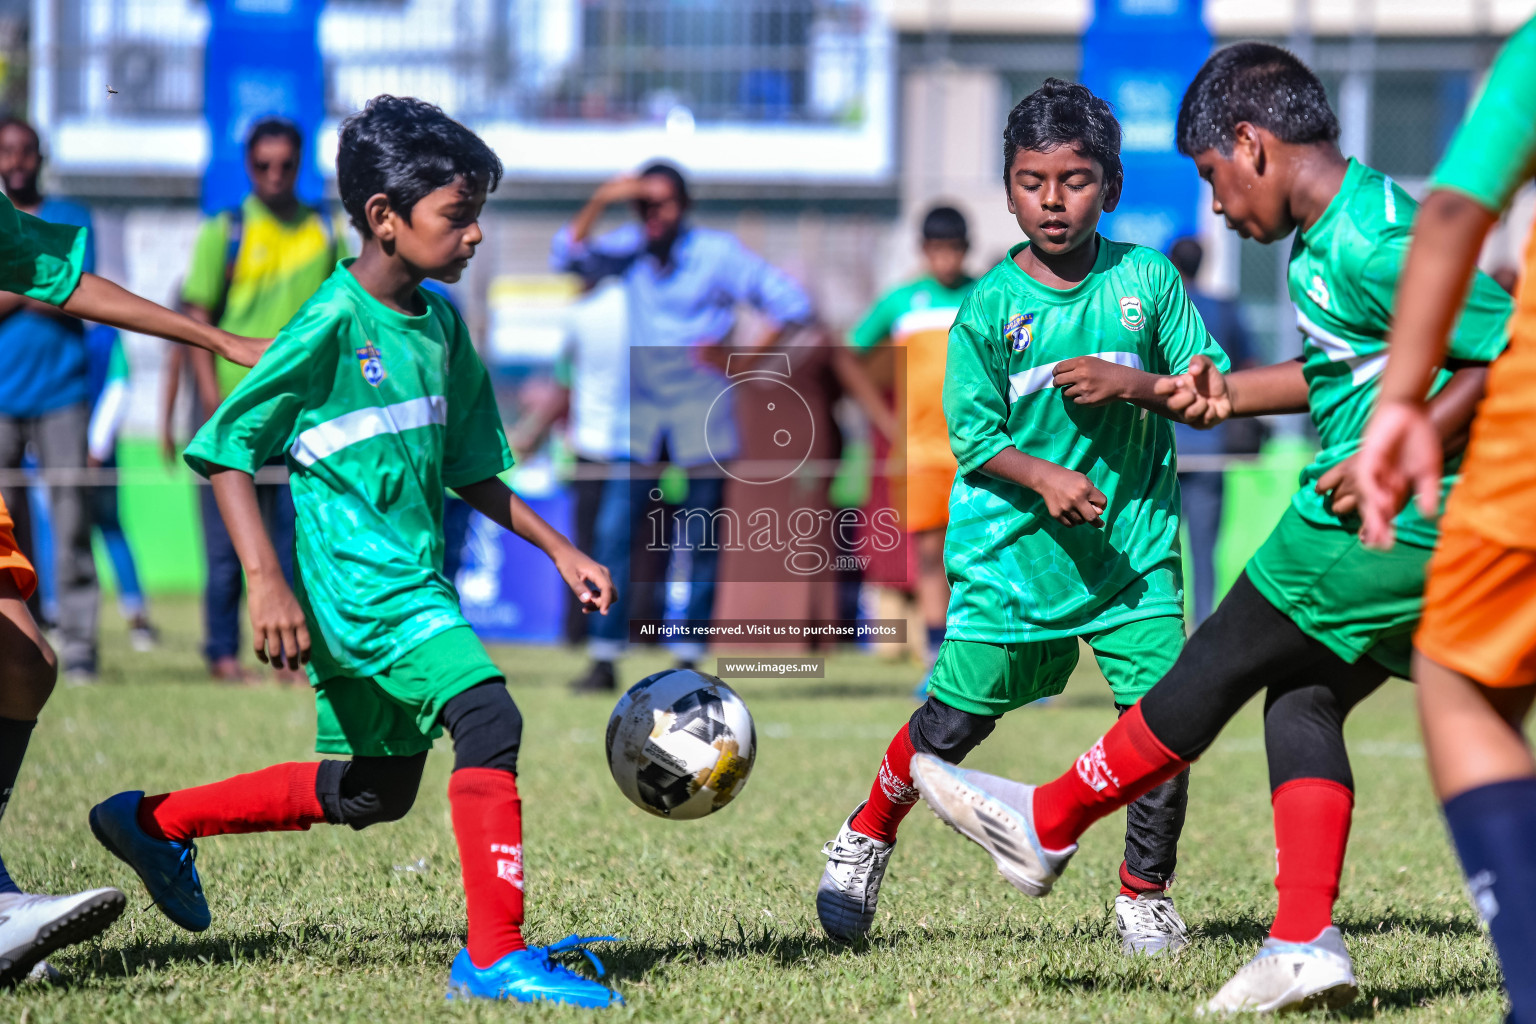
column 530, row 975
column 169, row 869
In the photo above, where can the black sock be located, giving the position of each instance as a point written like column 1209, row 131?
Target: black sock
column 13, row 747
column 1494, row 828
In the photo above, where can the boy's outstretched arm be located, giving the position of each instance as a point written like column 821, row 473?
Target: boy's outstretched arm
column 1401, row 454
column 1069, row 496
column 1203, row 396
column 278, row 631
column 498, row 503
column 96, row 298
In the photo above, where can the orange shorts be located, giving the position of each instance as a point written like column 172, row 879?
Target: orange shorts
column 924, row 501
column 11, row 558
column 1480, row 609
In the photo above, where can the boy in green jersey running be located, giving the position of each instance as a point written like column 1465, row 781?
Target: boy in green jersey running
column 1316, row 621
column 1064, row 518
column 377, row 399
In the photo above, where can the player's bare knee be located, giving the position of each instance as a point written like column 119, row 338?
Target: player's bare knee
column 947, row 732
column 486, row 727
column 27, row 675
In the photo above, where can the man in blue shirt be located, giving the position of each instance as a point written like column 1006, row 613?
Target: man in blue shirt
column 46, row 403
column 1202, row 493
column 683, row 284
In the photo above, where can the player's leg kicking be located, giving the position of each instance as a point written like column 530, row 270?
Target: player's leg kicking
column 156, row 835
column 857, row 858
column 31, row 925
column 1246, row 646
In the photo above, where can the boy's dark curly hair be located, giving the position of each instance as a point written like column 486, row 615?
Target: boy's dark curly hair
column 1064, row 114
column 1265, row 85
column 406, row 148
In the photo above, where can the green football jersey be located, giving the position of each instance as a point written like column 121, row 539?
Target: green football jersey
column 1493, row 153
column 377, row 412
column 38, row 258
column 1343, row 279
column 1017, row 574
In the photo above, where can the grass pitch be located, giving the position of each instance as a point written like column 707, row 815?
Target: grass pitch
column 718, row 915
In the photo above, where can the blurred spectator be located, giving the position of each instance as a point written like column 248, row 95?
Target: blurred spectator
column 1202, row 493
column 593, row 372
column 109, row 404
column 252, row 267
column 46, row 404
column 683, row 284
column 916, row 316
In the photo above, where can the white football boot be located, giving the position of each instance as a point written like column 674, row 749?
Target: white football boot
column 996, row 814
column 850, row 884
column 1149, row 925
column 32, row 926
column 1290, row 976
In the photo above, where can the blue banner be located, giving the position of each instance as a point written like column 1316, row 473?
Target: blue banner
column 262, row 59
column 1140, row 55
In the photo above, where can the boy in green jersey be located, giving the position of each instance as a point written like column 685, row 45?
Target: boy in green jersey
column 44, row 262
column 378, row 400
column 1316, row 621
column 1064, row 518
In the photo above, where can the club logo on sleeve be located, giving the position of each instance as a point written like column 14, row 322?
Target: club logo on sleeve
column 372, row 365
column 1130, row 313
column 1020, row 331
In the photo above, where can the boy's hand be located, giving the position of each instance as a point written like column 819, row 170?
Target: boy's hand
column 1089, row 380
column 1342, row 485
column 278, row 630
column 1070, row 497
column 1400, row 455
column 1199, row 396
column 587, row 578
column 240, row 350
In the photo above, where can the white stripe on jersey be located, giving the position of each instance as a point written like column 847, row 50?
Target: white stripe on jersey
column 1361, row 368
column 326, row 439
column 1036, row 378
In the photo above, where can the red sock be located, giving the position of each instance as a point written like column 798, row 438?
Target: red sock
column 488, row 824
column 893, row 794
column 276, row 799
column 1125, row 763
column 1132, row 886
column 1311, row 832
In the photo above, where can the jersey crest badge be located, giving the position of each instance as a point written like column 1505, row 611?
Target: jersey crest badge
column 369, row 361
column 1130, row 313
column 1020, row 331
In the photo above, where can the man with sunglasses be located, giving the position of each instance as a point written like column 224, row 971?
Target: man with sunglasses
column 253, row 266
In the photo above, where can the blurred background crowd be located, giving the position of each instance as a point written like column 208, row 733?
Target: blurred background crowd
column 800, row 158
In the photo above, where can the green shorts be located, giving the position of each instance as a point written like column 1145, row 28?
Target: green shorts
column 1352, row 599
column 993, row 679
column 396, row 712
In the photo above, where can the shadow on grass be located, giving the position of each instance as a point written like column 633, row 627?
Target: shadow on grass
column 270, row 945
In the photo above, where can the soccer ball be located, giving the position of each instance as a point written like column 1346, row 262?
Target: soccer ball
column 681, row 744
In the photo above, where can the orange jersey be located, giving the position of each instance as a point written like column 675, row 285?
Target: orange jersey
column 11, row 558
column 1497, row 493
